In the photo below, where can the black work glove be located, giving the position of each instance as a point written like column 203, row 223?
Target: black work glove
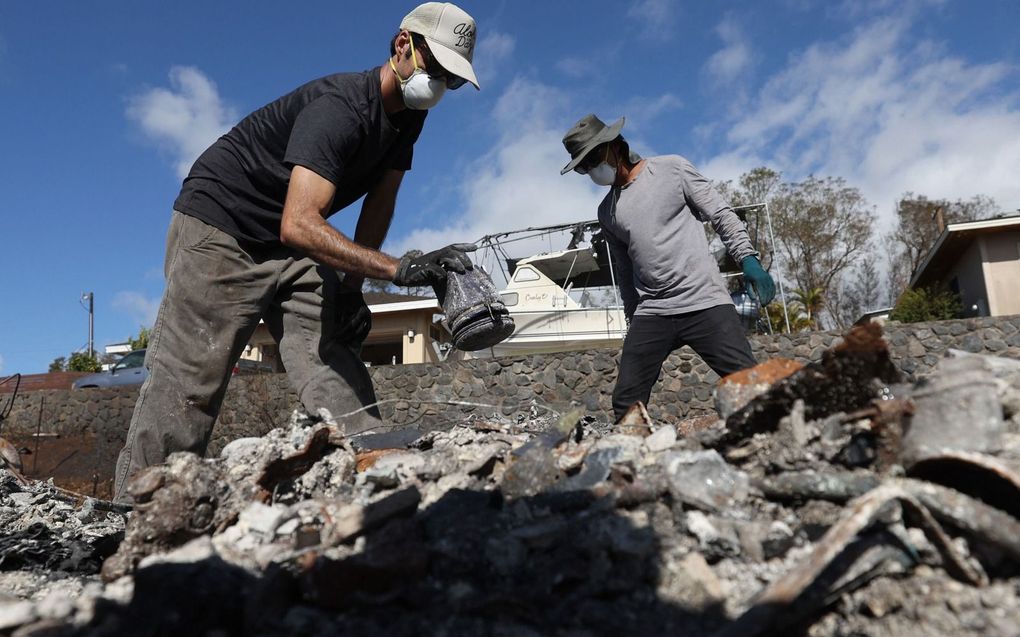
column 353, row 318
column 417, row 269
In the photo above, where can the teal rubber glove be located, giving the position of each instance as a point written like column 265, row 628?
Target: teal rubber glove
column 757, row 281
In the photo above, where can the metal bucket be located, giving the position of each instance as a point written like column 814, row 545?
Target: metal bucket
column 475, row 315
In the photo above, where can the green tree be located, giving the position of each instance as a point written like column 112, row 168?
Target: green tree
column 823, row 228
column 141, row 341
column 926, row 304
column 59, row 364
column 83, row 362
column 917, row 230
column 799, row 322
column 858, row 293
column 810, row 303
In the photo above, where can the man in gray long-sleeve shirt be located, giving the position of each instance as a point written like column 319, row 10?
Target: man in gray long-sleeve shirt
column 673, row 292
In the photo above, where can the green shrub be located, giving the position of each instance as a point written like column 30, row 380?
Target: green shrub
column 926, row 304
column 82, row 362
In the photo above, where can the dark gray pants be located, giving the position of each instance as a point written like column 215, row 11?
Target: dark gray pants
column 715, row 334
column 216, row 292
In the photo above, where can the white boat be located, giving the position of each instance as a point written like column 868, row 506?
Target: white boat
column 553, row 312
column 559, row 300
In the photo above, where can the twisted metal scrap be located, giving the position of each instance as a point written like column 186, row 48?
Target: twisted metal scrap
column 771, row 611
column 978, row 475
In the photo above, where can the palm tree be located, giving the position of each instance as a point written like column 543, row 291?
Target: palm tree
column 799, row 321
column 812, row 301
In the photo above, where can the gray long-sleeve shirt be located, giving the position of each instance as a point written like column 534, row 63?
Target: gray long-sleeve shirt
column 654, row 229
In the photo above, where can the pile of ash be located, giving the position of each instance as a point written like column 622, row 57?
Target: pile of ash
column 827, row 500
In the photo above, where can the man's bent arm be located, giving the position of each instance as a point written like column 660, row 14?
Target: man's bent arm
column 376, row 215
column 304, row 228
column 710, row 206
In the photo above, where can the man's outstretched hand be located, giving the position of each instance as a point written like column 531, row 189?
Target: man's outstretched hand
column 417, row 269
column 757, row 281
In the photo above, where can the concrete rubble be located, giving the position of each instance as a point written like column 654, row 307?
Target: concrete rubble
column 830, row 499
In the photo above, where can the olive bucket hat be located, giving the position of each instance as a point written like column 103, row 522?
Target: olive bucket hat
column 586, row 134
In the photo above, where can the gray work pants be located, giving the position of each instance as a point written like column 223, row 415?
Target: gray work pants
column 216, row 291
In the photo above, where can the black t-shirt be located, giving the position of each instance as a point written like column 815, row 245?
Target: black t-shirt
column 334, row 126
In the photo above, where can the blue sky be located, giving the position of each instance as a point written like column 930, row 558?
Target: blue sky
column 105, row 104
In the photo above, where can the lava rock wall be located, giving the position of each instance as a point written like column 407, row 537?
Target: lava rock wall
column 423, row 393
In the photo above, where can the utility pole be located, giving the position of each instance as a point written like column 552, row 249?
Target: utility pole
column 88, row 296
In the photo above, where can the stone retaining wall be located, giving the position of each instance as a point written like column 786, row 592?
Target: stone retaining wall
column 254, row 404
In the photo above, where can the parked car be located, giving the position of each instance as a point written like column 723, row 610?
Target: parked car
column 129, row 370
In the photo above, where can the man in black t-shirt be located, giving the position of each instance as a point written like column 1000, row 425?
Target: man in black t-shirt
column 249, row 241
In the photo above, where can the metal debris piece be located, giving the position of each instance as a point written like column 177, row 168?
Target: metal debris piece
column 956, row 408
column 769, row 608
column 1007, row 376
column 844, row 380
column 813, row 485
column 403, row 437
column 735, row 391
column 979, row 476
column 534, row 468
column 985, row 523
column 294, row 465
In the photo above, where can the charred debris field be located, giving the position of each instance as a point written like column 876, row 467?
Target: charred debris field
column 826, row 499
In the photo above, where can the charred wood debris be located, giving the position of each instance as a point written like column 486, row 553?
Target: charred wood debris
column 826, row 499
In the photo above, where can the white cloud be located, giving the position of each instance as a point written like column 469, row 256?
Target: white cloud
column 734, row 59
column 889, row 115
column 184, row 119
column 641, row 112
column 520, row 184
column 1, row 362
column 493, row 48
column 857, row 9
column 655, row 17
column 574, row 66
column 139, row 307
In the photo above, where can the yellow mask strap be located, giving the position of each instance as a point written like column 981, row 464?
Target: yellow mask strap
column 414, row 58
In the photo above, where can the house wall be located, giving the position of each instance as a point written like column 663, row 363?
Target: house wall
column 969, row 273
column 387, row 328
column 412, row 329
column 262, row 347
column 1002, row 272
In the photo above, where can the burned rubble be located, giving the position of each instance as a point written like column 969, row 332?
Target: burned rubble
column 829, row 499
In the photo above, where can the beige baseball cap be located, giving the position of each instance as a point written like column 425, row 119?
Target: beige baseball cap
column 450, row 32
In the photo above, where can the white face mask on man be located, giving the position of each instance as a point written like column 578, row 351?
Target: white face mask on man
column 603, row 174
column 420, row 90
